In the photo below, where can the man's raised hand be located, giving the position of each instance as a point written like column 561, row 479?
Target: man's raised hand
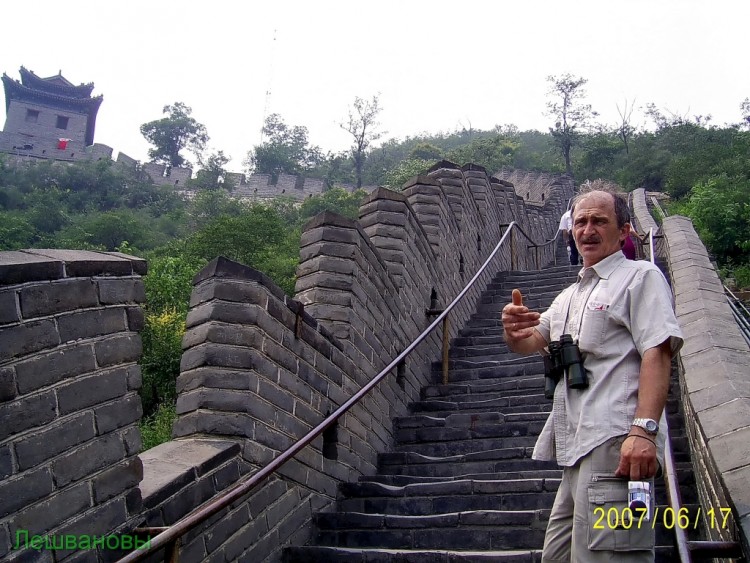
column 518, row 321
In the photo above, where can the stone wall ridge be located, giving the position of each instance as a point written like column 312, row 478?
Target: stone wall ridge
column 713, row 377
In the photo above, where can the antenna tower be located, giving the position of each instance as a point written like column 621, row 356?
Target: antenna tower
column 271, row 60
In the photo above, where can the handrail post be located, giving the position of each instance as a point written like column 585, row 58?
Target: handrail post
column 446, row 348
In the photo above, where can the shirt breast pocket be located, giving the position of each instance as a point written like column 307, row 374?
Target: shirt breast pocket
column 594, row 326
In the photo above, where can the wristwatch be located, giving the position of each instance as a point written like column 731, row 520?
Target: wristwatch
column 648, row 424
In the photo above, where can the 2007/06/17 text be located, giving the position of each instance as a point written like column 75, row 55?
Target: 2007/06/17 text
column 73, row 542
column 625, row 518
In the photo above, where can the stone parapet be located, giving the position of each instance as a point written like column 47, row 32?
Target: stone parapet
column 69, row 404
column 714, row 379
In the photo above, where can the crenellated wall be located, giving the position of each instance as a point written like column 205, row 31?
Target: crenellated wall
column 260, row 370
column 69, row 406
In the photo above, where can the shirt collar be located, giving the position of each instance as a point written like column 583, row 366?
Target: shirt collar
column 605, row 266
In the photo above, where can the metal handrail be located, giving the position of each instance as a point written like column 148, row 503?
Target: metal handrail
column 670, row 471
column 171, row 534
column 740, row 313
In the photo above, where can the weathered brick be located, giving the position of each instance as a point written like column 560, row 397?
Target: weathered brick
column 118, row 350
column 223, row 530
column 20, row 267
column 216, row 378
column 227, row 475
column 135, row 377
column 8, row 307
column 217, row 355
column 136, row 318
column 27, row 412
column 25, row 489
column 53, row 511
column 5, row 544
column 87, row 324
column 7, row 384
column 131, row 439
column 6, row 461
column 186, row 500
column 118, row 414
column 88, row 459
column 50, row 368
column 123, row 290
column 26, row 338
column 226, row 424
column 41, row 446
column 117, row 479
column 57, row 297
column 91, row 390
column 99, row 522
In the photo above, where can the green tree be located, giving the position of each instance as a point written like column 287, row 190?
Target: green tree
column 213, row 172
column 286, row 150
column 720, row 210
column 405, row 171
column 491, row 152
column 173, row 133
column 571, row 115
column 337, row 200
column 362, row 125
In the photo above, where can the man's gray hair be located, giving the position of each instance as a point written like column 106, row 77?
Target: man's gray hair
column 621, row 206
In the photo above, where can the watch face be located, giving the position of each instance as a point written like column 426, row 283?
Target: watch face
column 651, row 426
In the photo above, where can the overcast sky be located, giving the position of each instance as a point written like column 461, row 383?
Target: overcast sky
column 437, row 65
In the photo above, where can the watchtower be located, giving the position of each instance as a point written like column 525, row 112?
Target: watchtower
column 45, row 115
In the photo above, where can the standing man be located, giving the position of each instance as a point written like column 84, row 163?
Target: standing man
column 566, row 226
column 620, row 316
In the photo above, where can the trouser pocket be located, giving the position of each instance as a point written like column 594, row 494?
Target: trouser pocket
column 612, row 525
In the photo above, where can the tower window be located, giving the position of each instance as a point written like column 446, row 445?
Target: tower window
column 32, row 116
column 62, row 122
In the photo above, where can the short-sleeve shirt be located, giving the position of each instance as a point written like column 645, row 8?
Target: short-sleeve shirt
column 566, row 221
column 616, row 311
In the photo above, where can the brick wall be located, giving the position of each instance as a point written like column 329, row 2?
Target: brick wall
column 69, row 406
column 714, row 381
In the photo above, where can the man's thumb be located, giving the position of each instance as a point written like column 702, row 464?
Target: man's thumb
column 517, row 298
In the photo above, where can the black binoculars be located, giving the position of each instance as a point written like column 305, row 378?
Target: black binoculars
column 564, row 359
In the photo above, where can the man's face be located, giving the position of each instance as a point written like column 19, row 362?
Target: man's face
column 595, row 228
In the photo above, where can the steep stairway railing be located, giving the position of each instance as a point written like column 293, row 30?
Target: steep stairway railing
column 168, row 538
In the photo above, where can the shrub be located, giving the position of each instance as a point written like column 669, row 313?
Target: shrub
column 162, row 349
column 157, row 428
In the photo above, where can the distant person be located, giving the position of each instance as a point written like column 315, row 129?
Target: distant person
column 628, row 248
column 566, row 227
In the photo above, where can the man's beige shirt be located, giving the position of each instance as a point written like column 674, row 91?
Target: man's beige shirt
column 618, row 309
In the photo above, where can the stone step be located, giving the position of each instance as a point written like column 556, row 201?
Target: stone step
column 401, row 480
column 498, row 461
column 479, row 388
column 471, row 530
column 471, row 404
column 462, row 370
column 448, row 488
column 331, row 554
column 480, row 430
column 463, row 447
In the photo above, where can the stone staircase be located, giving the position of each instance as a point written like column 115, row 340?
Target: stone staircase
column 460, row 484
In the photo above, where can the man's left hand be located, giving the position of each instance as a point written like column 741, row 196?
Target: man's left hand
column 637, row 458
